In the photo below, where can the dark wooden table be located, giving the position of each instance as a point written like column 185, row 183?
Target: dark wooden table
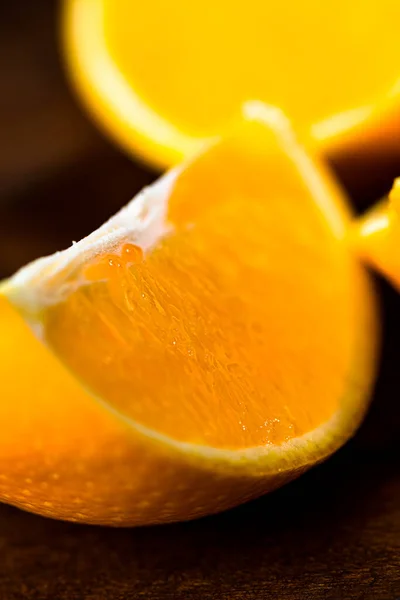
column 333, row 534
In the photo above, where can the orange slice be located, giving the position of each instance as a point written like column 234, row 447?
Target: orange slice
column 210, row 342
column 376, row 237
column 162, row 77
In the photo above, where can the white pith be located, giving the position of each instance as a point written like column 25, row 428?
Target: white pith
column 143, row 222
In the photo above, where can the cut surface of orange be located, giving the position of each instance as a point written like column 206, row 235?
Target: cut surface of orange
column 164, row 76
column 376, row 237
column 211, row 341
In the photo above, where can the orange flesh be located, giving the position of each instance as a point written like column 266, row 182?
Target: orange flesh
column 376, row 236
column 195, row 64
column 45, row 407
column 237, row 328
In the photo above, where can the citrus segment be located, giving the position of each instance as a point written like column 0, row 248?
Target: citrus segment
column 220, row 324
column 376, row 237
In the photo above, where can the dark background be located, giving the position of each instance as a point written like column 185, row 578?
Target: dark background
column 333, row 534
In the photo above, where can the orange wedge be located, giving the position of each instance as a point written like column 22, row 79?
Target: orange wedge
column 376, row 237
column 213, row 340
column 162, row 77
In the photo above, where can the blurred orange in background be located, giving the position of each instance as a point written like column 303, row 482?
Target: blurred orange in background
column 161, row 77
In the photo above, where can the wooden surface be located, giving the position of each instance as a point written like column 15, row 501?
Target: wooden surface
column 333, row 534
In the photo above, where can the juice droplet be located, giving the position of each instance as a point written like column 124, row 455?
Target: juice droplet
column 131, row 254
column 105, row 268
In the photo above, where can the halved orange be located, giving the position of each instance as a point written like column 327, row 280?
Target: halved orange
column 163, row 77
column 210, row 342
